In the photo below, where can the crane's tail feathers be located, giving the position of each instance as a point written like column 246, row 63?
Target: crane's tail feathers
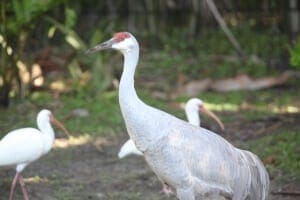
column 185, row 193
column 259, row 177
column 205, row 189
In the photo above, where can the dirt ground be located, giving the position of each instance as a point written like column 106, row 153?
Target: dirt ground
column 93, row 171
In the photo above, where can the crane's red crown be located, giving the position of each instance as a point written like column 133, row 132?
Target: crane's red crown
column 118, row 37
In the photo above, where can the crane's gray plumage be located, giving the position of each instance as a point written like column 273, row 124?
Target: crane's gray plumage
column 194, row 161
column 192, row 110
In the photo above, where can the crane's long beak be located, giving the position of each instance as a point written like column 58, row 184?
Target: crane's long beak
column 212, row 115
column 105, row 45
column 57, row 123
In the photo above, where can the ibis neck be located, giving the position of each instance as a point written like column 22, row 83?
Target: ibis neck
column 48, row 136
column 193, row 118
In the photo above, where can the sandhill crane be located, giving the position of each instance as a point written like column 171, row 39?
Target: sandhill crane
column 22, row 146
column 194, row 161
column 192, row 109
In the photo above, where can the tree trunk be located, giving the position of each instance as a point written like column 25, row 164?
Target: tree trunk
column 112, row 10
column 151, row 16
column 4, row 95
column 131, row 16
column 224, row 27
column 294, row 20
column 4, row 87
column 193, row 20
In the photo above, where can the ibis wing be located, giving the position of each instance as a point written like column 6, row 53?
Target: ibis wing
column 21, row 146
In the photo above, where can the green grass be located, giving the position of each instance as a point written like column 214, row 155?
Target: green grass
column 251, row 105
column 284, row 151
column 104, row 113
column 105, row 116
column 125, row 195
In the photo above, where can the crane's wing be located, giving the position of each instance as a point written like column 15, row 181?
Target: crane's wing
column 210, row 158
column 259, row 187
column 21, row 146
column 180, row 153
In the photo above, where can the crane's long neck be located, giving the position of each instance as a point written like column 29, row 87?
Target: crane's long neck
column 127, row 90
column 48, row 136
column 134, row 111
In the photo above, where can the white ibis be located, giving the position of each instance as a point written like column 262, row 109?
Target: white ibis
column 192, row 109
column 194, row 161
column 23, row 146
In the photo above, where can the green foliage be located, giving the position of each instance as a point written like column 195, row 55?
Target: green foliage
column 26, row 11
column 19, row 18
column 71, row 36
column 211, row 55
column 83, row 63
column 265, row 44
column 71, row 17
column 179, row 52
column 295, row 55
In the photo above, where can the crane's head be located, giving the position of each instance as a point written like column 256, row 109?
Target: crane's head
column 45, row 116
column 122, row 41
column 196, row 105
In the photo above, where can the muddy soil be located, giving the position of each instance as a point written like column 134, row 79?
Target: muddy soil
column 92, row 171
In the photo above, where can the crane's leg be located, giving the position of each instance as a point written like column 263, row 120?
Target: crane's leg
column 25, row 193
column 185, row 193
column 13, row 185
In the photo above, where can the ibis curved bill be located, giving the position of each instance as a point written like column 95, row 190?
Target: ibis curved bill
column 22, row 146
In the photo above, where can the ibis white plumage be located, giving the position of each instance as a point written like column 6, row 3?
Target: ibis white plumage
column 22, row 146
column 194, row 161
column 192, row 108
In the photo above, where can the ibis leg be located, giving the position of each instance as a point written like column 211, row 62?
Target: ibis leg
column 13, row 185
column 166, row 190
column 25, row 193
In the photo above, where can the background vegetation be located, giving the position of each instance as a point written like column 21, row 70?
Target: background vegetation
column 54, row 35
column 43, row 65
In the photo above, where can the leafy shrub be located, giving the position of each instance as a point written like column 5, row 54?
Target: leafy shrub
column 295, row 55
